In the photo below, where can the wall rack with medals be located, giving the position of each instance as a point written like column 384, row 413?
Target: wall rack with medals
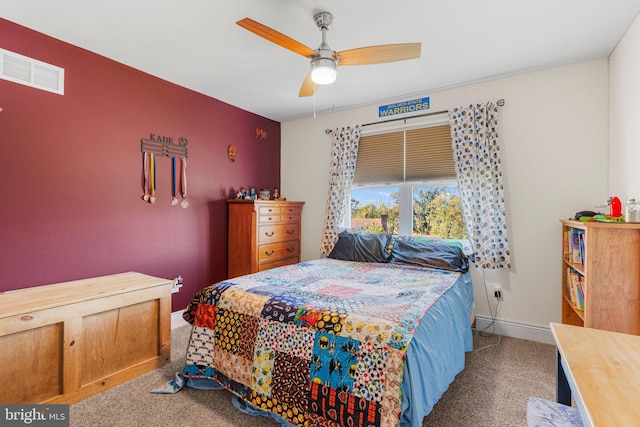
column 157, row 145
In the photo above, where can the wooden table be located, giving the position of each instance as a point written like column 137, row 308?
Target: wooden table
column 602, row 369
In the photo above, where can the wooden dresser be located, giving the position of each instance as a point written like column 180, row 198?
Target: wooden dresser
column 263, row 234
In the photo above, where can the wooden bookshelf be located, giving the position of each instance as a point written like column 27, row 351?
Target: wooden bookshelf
column 610, row 275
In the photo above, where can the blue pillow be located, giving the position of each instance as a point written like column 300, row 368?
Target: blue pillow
column 429, row 254
column 371, row 247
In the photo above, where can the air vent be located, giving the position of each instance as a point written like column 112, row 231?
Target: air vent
column 31, row 72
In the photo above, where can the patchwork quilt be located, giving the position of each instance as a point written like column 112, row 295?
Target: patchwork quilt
column 320, row 343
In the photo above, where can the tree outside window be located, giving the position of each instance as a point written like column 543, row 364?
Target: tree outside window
column 436, row 211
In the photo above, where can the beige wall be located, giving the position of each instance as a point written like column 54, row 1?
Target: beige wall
column 624, row 116
column 553, row 133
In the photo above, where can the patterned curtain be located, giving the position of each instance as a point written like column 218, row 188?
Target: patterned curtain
column 476, row 154
column 344, row 152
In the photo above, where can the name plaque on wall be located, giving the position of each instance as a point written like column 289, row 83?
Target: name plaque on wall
column 164, row 146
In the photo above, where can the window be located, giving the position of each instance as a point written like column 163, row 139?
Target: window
column 405, row 184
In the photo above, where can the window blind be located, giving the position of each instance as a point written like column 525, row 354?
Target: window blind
column 429, row 154
column 385, row 158
column 380, row 159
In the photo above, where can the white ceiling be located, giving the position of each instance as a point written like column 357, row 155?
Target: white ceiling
column 196, row 43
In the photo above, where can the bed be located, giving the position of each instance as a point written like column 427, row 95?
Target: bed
column 370, row 336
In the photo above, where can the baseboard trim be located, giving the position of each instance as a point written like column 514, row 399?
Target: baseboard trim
column 513, row 329
column 177, row 320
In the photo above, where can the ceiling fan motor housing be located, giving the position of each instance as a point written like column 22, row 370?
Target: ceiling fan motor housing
column 323, row 20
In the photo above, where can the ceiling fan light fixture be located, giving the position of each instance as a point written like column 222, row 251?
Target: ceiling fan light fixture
column 323, row 71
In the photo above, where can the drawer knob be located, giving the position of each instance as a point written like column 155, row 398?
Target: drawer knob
column 291, row 249
column 291, row 232
column 26, row 318
column 269, row 233
column 269, row 253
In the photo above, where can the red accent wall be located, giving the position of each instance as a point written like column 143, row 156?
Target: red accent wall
column 71, row 167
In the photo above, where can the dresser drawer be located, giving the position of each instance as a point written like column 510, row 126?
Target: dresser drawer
column 291, row 210
column 279, row 263
column 269, row 218
column 275, row 218
column 269, row 210
column 278, row 210
column 278, row 233
column 278, row 250
column 290, row 217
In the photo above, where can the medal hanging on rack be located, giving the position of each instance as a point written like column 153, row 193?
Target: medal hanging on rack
column 183, row 183
column 174, row 181
column 152, row 178
column 145, row 176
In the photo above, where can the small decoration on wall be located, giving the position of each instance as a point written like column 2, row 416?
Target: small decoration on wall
column 157, row 145
column 232, row 152
column 261, row 133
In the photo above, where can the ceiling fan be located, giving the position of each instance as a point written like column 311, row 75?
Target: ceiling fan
column 324, row 61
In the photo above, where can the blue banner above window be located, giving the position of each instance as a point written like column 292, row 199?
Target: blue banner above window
column 414, row 105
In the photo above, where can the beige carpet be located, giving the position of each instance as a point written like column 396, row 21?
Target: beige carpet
column 491, row 391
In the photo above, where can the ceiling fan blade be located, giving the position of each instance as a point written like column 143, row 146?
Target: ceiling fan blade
column 379, row 54
column 276, row 37
column 308, row 87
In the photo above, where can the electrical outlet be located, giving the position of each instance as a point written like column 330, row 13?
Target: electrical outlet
column 497, row 292
column 177, row 284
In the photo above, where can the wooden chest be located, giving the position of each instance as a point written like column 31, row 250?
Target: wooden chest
column 263, row 234
column 65, row 342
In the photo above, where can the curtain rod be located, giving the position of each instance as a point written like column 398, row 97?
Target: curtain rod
column 499, row 103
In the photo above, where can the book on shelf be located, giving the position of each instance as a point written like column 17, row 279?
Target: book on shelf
column 580, row 291
column 581, row 236
column 575, row 289
column 577, row 246
column 569, row 286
